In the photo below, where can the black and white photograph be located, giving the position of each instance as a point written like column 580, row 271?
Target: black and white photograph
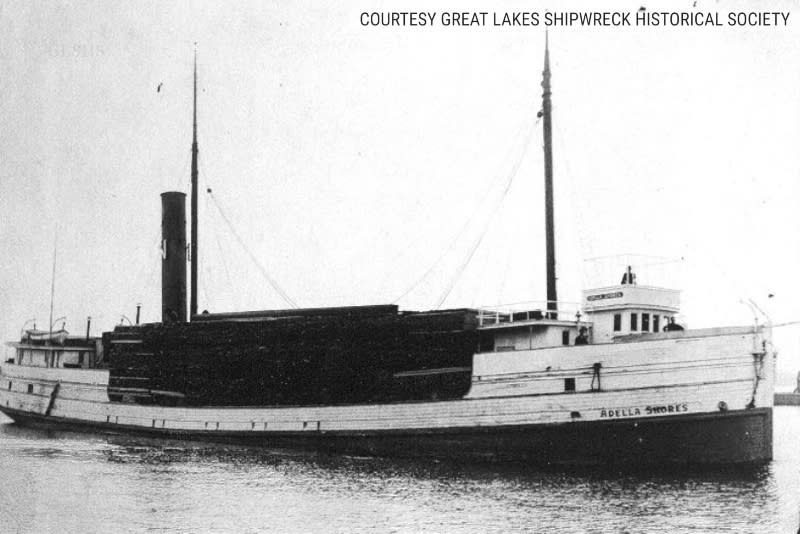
column 424, row 267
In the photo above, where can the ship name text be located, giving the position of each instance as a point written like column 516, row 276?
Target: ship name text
column 634, row 411
column 603, row 296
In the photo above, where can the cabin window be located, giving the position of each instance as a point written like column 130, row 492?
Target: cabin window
column 565, row 337
column 9, row 385
column 569, row 384
column 655, row 323
column 617, row 322
column 80, row 357
column 634, row 322
column 30, row 388
column 485, row 341
column 645, row 322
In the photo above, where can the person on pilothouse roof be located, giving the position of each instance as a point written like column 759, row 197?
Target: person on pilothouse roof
column 583, row 337
column 629, row 277
column 672, row 326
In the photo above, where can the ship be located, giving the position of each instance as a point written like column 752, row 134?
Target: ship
column 613, row 380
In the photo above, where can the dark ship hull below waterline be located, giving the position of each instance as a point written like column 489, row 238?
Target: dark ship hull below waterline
column 693, row 440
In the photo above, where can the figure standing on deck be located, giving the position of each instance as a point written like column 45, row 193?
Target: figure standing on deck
column 672, row 326
column 628, row 277
column 583, row 337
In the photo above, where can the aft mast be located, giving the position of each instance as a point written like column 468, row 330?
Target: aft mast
column 193, row 248
column 548, row 182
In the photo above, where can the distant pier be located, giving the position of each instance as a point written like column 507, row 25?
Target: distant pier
column 787, row 399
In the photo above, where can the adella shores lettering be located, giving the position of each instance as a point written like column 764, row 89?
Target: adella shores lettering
column 603, row 296
column 644, row 411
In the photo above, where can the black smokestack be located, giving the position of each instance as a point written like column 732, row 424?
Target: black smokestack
column 173, row 257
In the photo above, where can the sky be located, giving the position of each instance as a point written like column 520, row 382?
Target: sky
column 366, row 165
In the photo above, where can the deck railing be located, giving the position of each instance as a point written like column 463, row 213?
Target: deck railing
column 528, row 312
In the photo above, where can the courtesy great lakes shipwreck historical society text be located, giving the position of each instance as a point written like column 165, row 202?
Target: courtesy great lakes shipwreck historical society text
column 549, row 19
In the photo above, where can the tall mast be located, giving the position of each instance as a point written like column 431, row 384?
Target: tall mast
column 193, row 247
column 548, row 181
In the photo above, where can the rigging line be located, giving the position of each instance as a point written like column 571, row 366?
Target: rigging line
column 489, row 220
column 53, row 279
column 460, row 270
column 790, row 323
column 183, row 171
column 203, row 265
column 205, row 271
column 479, row 268
column 252, row 256
column 662, row 259
column 481, row 200
column 509, row 250
column 585, row 244
column 482, row 276
column 224, row 263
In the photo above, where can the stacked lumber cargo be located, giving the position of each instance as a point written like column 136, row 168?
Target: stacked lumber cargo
column 351, row 356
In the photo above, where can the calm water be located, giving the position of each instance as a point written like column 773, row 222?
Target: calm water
column 67, row 482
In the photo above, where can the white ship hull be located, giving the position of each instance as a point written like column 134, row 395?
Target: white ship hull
column 690, row 397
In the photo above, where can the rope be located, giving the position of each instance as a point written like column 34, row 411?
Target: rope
column 481, row 200
column 585, row 244
column 461, row 269
column 180, row 184
column 225, row 265
column 489, row 220
column 790, row 323
column 203, row 266
column 513, row 236
column 252, row 256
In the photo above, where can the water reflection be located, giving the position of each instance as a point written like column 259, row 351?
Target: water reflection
column 180, row 486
